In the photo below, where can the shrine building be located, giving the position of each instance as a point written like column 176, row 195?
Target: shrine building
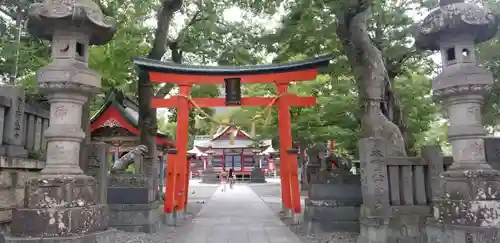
column 241, row 153
column 116, row 123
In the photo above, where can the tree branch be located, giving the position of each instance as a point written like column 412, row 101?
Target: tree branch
column 183, row 33
column 175, row 48
column 164, row 90
column 165, row 15
column 107, row 11
column 9, row 14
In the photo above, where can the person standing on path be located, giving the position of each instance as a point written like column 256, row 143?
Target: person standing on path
column 231, row 178
column 223, row 178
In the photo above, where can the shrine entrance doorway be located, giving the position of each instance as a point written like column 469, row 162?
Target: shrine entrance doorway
column 185, row 76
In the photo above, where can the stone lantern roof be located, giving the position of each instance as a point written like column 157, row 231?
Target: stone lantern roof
column 62, row 14
column 455, row 16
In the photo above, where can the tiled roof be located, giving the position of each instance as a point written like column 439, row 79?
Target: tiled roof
column 127, row 107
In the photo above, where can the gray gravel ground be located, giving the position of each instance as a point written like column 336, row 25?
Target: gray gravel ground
column 271, row 194
column 199, row 194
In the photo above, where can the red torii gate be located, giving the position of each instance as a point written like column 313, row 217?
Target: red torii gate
column 185, row 76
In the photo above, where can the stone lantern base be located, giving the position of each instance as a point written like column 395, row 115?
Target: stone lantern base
column 467, row 210
column 61, row 209
column 132, row 204
column 209, row 176
column 257, row 177
column 333, row 203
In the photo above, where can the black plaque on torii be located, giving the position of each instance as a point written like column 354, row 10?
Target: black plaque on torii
column 233, row 91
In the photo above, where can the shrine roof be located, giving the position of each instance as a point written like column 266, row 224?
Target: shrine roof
column 224, row 130
column 170, row 67
column 220, row 140
column 226, row 144
column 127, row 109
column 269, row 150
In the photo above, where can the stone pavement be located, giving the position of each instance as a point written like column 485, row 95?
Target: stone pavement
column 236, row 215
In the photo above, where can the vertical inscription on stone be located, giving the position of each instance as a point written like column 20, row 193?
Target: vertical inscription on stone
column 378, row 178
column 373, row 173
column 19, row 115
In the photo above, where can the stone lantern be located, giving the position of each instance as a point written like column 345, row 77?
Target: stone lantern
column 61, row 205
column 466, row 208
column 209, row 175
column 256, row 176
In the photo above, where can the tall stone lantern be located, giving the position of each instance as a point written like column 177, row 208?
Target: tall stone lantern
column 256, row 176
column 466, row 208
column 209, row 175
column 61, row 205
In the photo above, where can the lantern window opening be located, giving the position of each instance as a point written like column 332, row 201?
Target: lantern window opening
column 80, row 49
column 450, row 54
column 465, row 52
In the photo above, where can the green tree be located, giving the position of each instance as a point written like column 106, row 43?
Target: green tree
column 309, row 29
column 20, row 54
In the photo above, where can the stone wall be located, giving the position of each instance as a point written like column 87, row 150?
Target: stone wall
column 22, row 146
column 13, row 174
column 397, row 193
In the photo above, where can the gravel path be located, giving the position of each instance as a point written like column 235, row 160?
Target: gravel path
column 271, row 194
column 199, row 194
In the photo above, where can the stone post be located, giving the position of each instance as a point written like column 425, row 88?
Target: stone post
column 139, row 163
column 374, row 212
column 13, row 125
column 466, row 208
column 434, row 158
column 61, row 204
column 102, row 174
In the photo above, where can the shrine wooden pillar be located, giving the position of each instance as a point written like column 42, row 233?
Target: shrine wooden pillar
column 181, row 143
column 290, row 191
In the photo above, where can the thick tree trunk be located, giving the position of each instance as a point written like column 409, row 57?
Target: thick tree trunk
column 371, row 76
column 148, row 124
column 395, row 113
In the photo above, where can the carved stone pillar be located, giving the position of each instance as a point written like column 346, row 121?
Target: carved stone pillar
column 61, row 205
column 13, row 125
column 466, row 210
column 374, row 214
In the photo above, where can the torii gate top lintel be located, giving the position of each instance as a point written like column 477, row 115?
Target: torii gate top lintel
column 183, row 74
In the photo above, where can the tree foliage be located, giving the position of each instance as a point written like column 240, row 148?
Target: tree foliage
column 204, row 32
